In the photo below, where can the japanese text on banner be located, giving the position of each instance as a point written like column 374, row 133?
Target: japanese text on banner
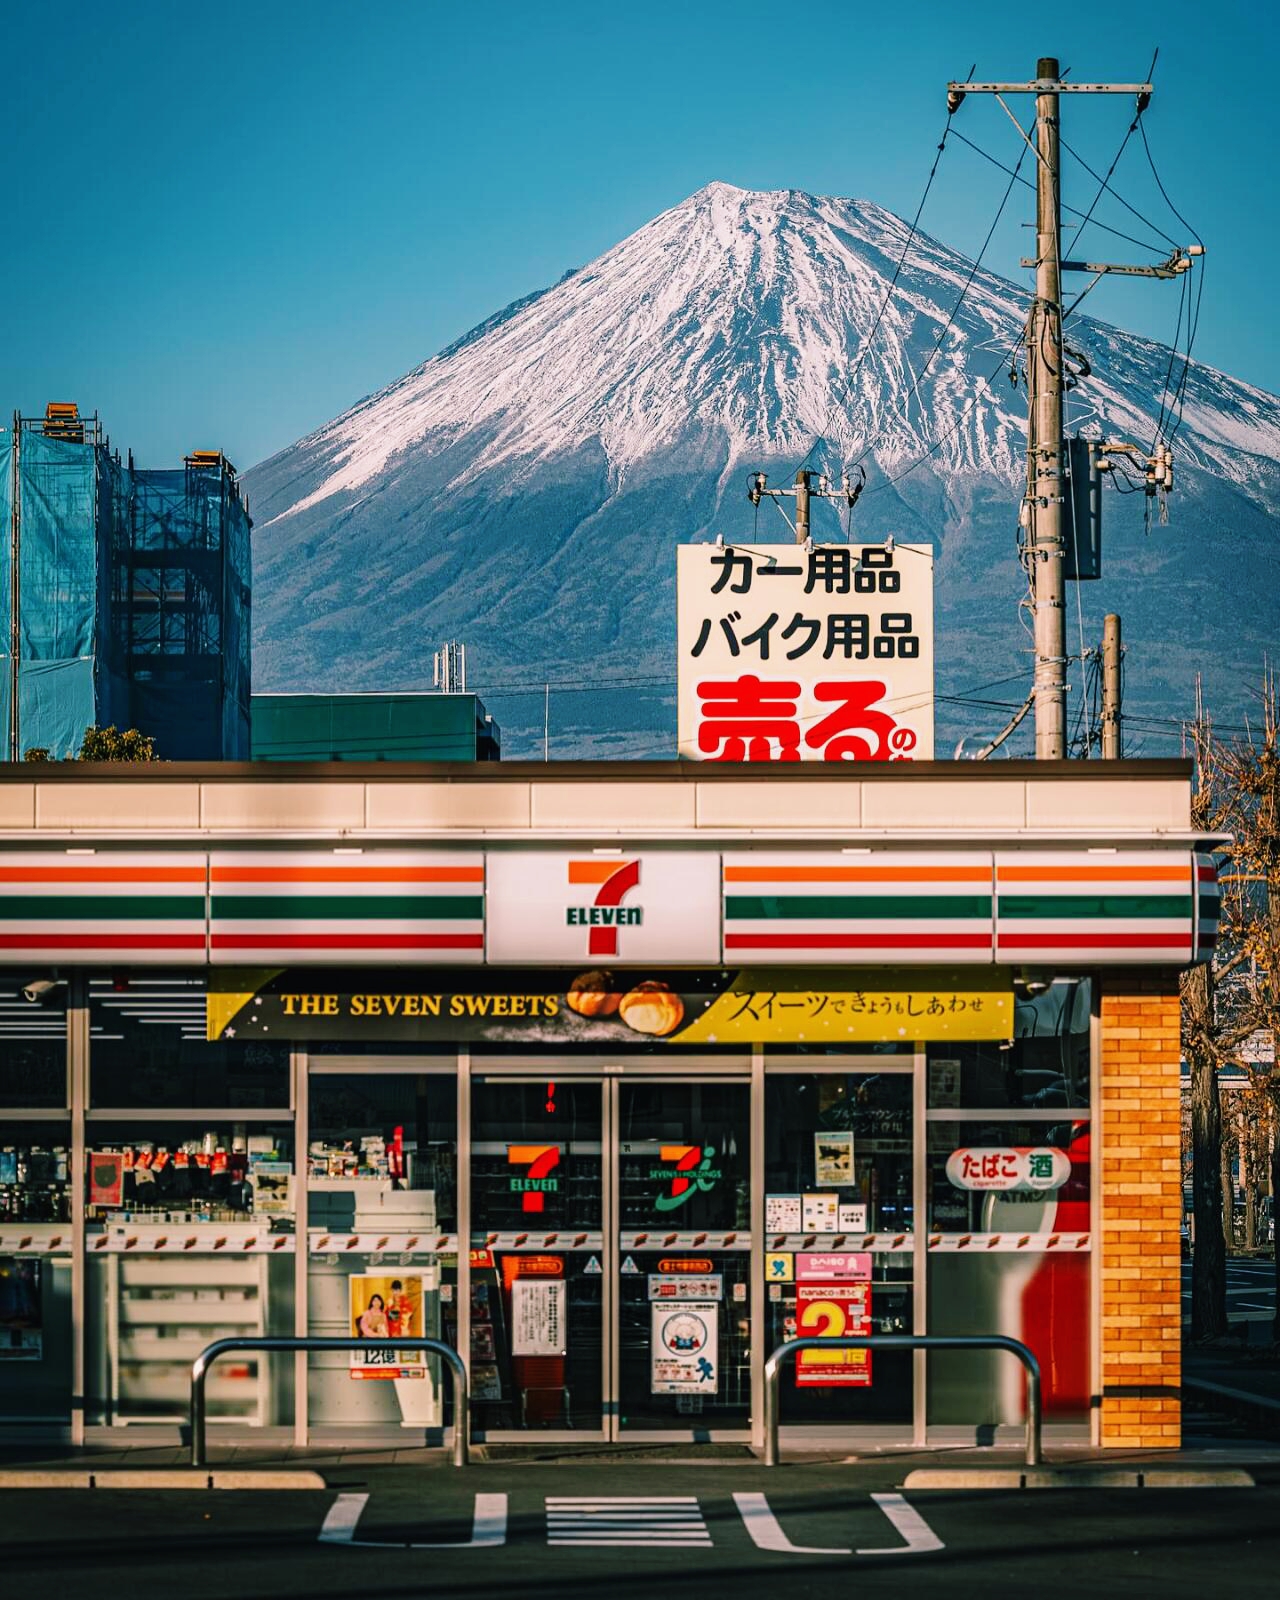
column 823, row 654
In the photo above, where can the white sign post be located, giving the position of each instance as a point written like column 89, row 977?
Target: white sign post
column 794, row 655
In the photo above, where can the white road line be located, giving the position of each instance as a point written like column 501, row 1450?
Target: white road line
column 639, row 1521
column 488, row 1526
column 909, row 1523
column 767, row 1533
column 611, row 1502
column 647, row 1544
column 340, row 1521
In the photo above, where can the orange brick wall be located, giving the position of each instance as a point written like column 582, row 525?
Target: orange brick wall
column 1141, row 1203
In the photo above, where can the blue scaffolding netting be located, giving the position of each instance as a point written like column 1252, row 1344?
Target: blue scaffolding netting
column 131, row 600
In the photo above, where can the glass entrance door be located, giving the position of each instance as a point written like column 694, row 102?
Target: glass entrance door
column 684, row 1255
column 537, row 1255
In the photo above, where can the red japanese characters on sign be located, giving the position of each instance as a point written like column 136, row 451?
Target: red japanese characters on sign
column 824, row 654
column 1017, row 1168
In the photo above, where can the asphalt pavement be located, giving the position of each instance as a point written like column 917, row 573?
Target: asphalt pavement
column 1251, row 1289
column 631, row 1531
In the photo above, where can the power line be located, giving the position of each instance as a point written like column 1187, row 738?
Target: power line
column 1104, row 184
column 1143, row 244
column 1115, row 195
column 959, row 422
column 848, row 382
column 968, row 284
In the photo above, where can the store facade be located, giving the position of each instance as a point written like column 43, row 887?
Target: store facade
column 613, row 1077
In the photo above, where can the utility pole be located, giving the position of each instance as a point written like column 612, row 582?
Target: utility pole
column 14, row 729
column 802, row 506
column 809, row 486
column 1044, row 436
column 1112, row 745
column 1044, row 551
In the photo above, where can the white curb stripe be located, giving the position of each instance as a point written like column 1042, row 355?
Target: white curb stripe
column 340, row 1523
column 767, row 1533
column 909, row 1523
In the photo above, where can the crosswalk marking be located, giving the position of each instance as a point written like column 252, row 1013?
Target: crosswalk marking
column 655, row 1521
column 635, row 1521
column 909, row 1523
column 766, row 1530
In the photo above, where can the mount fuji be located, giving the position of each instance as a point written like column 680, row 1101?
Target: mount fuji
column 523, row 490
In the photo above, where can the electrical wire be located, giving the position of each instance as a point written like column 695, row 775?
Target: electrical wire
column 1115, row 194
column 959, row 422
column 1143, row 244
column 968, row 284
column 1104, row 186
column 848, row 382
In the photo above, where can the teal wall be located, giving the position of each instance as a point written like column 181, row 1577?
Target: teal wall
column 370, row 727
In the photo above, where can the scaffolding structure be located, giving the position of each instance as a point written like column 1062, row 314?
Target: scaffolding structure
column 124, row 595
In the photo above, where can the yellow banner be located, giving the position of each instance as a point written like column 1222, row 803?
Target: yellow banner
column 889, row 1007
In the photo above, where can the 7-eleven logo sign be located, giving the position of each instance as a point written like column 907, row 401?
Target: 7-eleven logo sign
column 688, row 1169
column 541, row 1160
column 612, row 881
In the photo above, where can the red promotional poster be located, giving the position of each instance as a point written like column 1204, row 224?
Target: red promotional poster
column 828, row 1311
column 106, row 1177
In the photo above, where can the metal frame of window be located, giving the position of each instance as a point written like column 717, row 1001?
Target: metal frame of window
column 751, row 1068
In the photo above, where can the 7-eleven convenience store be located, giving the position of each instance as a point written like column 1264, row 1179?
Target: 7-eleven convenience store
column 612, row 1076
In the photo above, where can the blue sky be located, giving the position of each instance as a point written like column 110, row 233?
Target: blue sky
column 224, row 225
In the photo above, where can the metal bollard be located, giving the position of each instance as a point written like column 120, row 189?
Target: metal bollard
column 903, row 1341
column 220, row 1347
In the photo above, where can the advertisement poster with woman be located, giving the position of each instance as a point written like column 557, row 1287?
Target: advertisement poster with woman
column 386, row 1308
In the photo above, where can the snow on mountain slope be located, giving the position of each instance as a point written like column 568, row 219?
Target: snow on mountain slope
column 523, row 488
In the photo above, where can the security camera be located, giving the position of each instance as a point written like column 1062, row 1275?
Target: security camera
column 39, row 989
column 1034, row 983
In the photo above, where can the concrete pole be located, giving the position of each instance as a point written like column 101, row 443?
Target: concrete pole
column 802, row 506
column 1112, row 740
column 1044, row 443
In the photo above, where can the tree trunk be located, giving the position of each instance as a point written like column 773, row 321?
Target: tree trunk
column 1275, row 1234
column 1208, row 1262
column 1228, row 1191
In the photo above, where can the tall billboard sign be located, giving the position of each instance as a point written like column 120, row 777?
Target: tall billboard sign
column 789, row 654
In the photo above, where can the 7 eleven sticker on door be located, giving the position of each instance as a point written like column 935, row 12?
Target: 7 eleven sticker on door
column 587, row 906
column 828, row 1311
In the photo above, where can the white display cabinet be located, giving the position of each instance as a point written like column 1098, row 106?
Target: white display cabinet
column 162, row 1312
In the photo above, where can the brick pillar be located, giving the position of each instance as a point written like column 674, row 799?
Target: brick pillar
column 1141, row 1207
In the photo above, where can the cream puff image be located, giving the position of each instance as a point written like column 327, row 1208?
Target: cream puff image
column 591, row 994
column 652, row 1008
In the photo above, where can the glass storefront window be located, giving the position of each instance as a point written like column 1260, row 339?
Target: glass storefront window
column 380, row 1295
column 33, row 1056
column 843, row 1134
column 1015, row 1177
column 381, row 1165
column 35, row 1272
column 35, row 1169
column 552, row 1126
column 190, row 1172
column 537, row 1325
column 839, row 1166
column 684, row 1174
column 147, row 1049
column 395, row 1130
column 149, row 1314
column 1045, row 1065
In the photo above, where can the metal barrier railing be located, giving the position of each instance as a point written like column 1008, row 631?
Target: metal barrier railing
column 221, row 1347
column 902, row 1341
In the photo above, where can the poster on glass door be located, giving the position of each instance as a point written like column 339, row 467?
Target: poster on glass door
column 685, row 1347
column 386, row 1308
